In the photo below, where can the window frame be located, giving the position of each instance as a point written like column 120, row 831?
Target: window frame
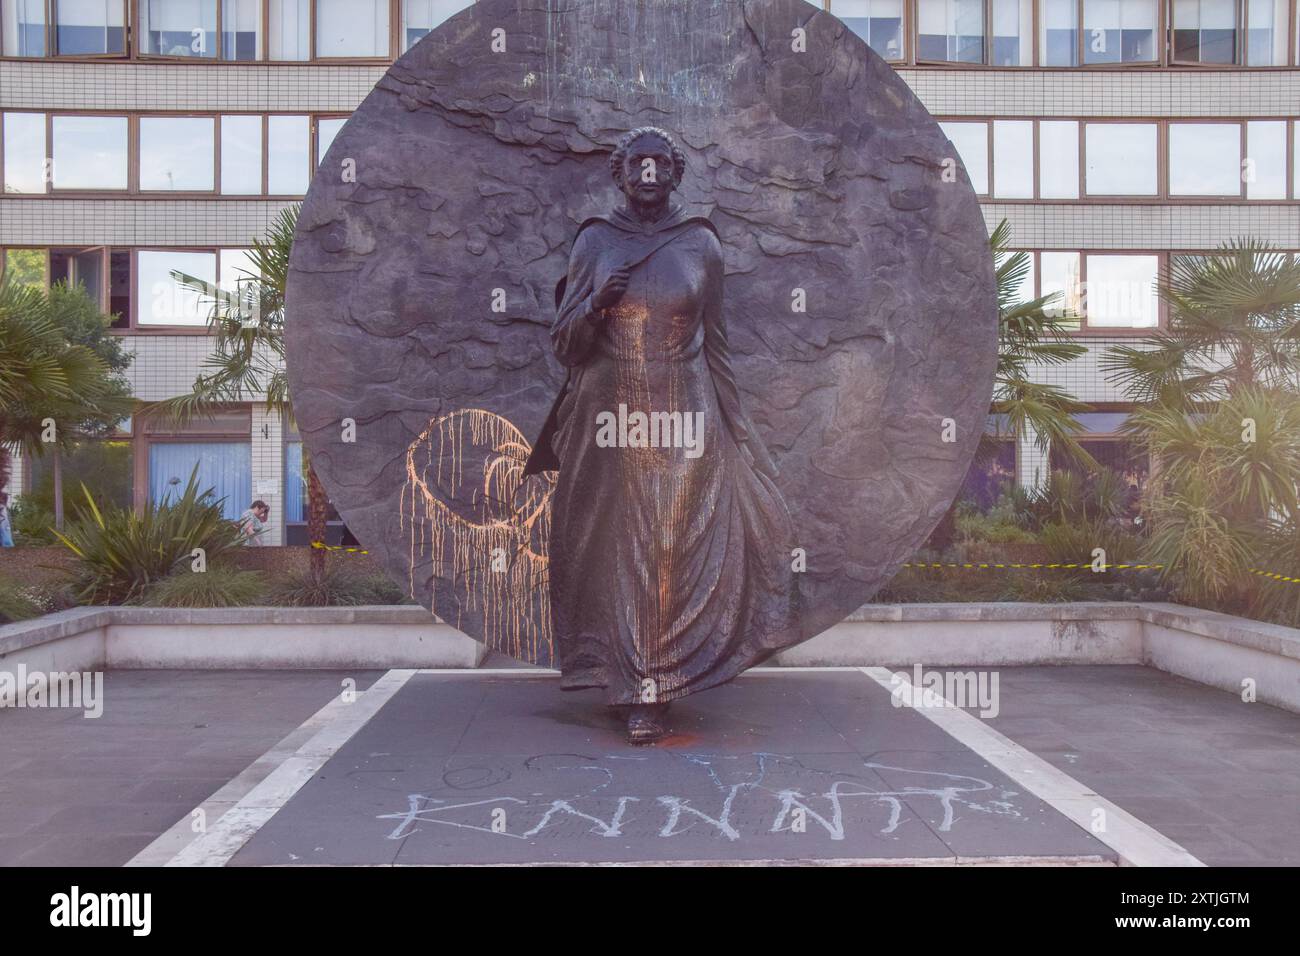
column 1085, row 330
column 133, row 188
column 1238, row 49
column 52, row 33
column 144, row 438
column 1163, row 192
column 132, row 160
column 216, row 155
column 908, row 26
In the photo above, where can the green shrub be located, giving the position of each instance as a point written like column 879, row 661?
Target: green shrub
column 122, row 553
column 219, row 586
column 15, row 603
column 381, row 589
column 331, row 588
column 32, row 524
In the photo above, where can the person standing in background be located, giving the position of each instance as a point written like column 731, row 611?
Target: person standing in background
column 252, row 523
column 6, row 529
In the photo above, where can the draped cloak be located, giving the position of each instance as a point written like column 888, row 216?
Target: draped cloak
column 670, row 567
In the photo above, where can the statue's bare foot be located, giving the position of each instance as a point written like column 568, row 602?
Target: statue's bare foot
column 645, row 723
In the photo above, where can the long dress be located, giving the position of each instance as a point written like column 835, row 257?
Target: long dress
column 671, row 568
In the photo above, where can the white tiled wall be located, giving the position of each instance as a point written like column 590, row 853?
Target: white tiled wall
column 54, row 85
column 1159, row 92
column 268, row 468
column 139, row 222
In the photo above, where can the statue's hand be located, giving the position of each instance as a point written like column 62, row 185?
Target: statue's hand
column 613, row 288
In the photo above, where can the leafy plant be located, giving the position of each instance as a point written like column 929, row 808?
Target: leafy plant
column 32, row 524
column 313, row 588
column 1234, row 322
column 15, row 603
column 121, row 553
column 221, row 585
column 46, row 374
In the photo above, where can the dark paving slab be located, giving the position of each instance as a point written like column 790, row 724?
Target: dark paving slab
column 1217, row 775
column 81, row 792
column 425, row 779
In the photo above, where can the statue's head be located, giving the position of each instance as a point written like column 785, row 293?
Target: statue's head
column 647, row 165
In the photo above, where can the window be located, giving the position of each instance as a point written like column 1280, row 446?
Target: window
column 1205, row 159
column 1060, row 277
column 1205, row 31
column 224, row 468
column 22, row 23
column 89, row 27
column 878, row 22
column 119, row 287
column 1265, row 168
column 178, row 27
column 1121, row 159
column 1059, row 33
column 80, row 267
column 1295, row 161
column 326, row 130
column 237, row 269
column 1013, row 33
column 1119, row 31
column 24, row 151
column 241, row 155
column 103, row 466
column 177, row 153
column 295, row 484
column 1013, row 159
column 90, row 152
column 241, row 33
column 288, row 155
column 950, row 31
column 421, row 16
column 24, row 267
column 1266, row 32
column 351, row 28
column 972, row 143
column 1121, row 291
column 162, row 300
column 289, row 30
column 1128, row 459
column 1058, row 159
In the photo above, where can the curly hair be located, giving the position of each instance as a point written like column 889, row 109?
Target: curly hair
column 627, row 139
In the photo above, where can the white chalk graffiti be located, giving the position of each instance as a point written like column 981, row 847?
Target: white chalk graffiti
column 952, row 792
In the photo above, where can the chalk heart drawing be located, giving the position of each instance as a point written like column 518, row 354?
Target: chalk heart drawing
column 859, row 293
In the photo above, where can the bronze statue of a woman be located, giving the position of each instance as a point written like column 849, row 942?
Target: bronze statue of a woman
column 670, row 559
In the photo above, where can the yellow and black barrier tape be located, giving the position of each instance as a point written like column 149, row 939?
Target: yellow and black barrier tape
column 338, row 547
column 970, row 565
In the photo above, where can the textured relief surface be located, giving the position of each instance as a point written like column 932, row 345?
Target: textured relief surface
column 467, row 171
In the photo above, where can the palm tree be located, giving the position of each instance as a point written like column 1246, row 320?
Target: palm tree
column 1032, row 333
column 1221, row 394
column 1234, row 322
column 247, row 358
column 47, row 377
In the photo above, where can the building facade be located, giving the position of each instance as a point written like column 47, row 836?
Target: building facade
column 138, row 137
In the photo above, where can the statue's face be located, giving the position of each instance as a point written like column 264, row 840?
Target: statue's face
column 648, row 174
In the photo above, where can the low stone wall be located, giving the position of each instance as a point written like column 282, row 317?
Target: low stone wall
column 1232, row 653
column 46, row 566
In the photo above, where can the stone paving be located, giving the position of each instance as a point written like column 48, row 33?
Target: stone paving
column 421, row 781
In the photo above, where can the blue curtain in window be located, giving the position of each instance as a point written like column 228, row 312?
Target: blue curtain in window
column 295, row 483
column 225, row 468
